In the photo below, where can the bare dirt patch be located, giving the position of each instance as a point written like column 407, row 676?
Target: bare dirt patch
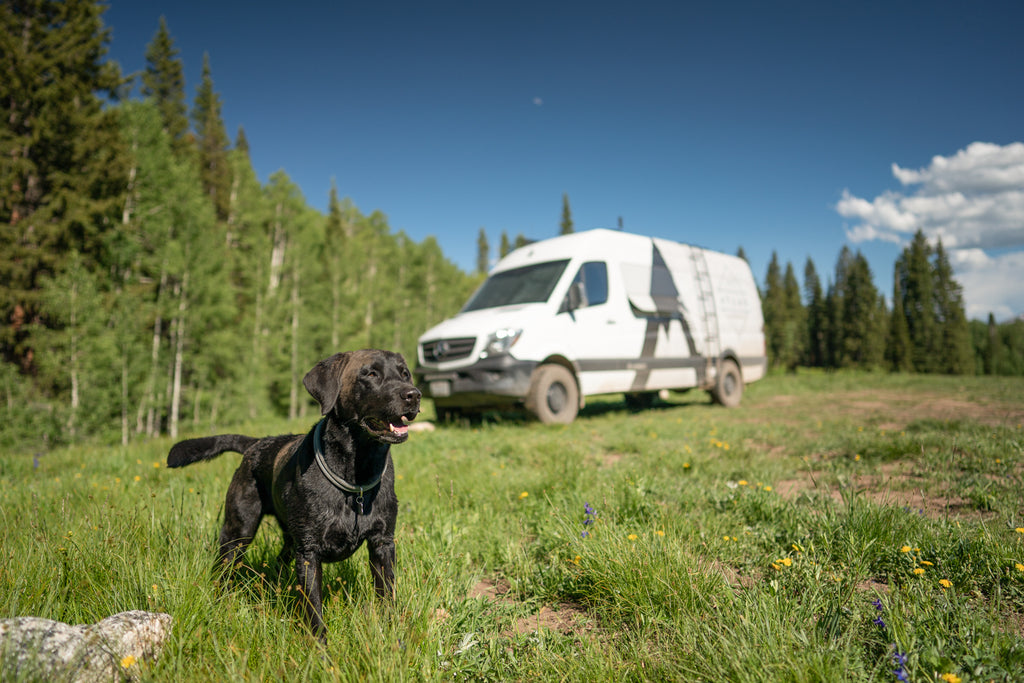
column 891, row 484
column 565, row 618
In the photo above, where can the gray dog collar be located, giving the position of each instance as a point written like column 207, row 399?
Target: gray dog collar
column 318, row 455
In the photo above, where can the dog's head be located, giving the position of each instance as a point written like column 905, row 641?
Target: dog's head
column 370, row 387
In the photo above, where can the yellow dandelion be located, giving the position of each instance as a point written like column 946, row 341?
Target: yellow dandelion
column 660, row 532
column 1020, row 530
column 522, row 495
column 743, row 482
column 797, row 548
column 927, row 563
column 767, row 488
column 787, row 561
column 725, row 446
column 138, row 478
column 919, row 571
column 905, row 549
column 632, row 537
column 576, row 560
column 1019, row 566
column 686, row 465
column 725, row 538
column 950, row 678
column 857, row 457
column 156, row 465
column 128, row 662
column 945, row 583
column 776, row 566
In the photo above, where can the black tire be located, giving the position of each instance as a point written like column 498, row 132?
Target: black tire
column 640, row 400
column 728, row 389
column 554, row 397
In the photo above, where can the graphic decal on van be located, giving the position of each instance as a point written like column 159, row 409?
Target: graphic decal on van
column 668, row 306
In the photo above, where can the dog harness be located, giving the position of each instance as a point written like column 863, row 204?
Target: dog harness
column 318, row 455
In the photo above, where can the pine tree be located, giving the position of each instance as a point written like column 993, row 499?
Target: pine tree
column 774, row 306
column 212, row 141
column 505, row 247
column 62, row 172
column 917, row 286
column 955, row 347
column 483, row 253
column 815, row 344
column 898, row 349
column 163, row 81
column 566, row 223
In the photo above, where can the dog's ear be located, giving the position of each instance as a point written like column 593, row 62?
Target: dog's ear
column 323, row 382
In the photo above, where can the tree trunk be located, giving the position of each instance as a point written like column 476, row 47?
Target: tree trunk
column 277, row 251
column 179, row 353
column 293, row 399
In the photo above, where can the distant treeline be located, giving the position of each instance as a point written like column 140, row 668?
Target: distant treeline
column 148, row 280
column 849, row 325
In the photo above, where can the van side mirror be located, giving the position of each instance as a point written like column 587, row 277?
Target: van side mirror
column 573, row 298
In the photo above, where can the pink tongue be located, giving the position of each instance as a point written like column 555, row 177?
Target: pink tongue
column 400, row 429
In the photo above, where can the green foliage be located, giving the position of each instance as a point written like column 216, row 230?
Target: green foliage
column 565, row 225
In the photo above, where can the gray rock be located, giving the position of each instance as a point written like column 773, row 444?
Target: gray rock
column 110, row 650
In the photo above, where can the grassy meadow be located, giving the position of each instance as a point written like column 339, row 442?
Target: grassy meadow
column 834, row 527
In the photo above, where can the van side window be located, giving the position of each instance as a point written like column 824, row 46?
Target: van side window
column 592, row 283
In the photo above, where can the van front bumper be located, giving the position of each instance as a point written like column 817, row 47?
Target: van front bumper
column 491, row 381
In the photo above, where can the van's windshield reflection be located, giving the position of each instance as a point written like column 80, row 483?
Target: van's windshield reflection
column 529, row 284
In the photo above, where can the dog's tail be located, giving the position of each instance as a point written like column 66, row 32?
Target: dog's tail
column 206, row 448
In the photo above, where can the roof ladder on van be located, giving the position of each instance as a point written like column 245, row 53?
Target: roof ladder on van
column 709, row 313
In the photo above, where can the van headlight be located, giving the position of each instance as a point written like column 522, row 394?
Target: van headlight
column 500, row 341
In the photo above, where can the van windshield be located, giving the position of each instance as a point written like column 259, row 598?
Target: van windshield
column 529, row 284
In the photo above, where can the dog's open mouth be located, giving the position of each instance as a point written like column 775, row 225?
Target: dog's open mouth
column 395, row 431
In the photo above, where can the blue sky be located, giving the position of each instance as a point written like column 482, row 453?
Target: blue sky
column 794, row 127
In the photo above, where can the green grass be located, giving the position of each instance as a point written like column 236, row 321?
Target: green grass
column 801, row 537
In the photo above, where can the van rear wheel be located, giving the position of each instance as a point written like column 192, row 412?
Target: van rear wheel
column 554, row 397
column 728, row 387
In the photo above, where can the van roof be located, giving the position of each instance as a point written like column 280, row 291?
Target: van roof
column 596, row 243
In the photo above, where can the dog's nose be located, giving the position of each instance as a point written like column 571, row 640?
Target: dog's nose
column 412, row 395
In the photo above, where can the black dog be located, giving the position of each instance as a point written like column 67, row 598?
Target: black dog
column 331, row 489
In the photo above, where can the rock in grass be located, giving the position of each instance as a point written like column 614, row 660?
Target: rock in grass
column 32, row 648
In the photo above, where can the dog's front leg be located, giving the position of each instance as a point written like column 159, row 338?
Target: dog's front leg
column 382, row 565
column 310, row 573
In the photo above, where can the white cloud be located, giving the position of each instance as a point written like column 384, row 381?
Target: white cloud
column 972, row 201
column 992, row 284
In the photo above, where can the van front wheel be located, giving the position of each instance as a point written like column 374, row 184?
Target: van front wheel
column 728, row 387
column 554, row 397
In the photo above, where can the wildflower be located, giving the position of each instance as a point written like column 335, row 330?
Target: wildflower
column 522, row 495
column 584, row 533
column 1020, row 530
column 900, row 660
column 768, row 488
column 1019, row 566
column 878, row 621
column 576, row 560
column 927, row 563
column 786, row 561
column 156, row 465
column 660, row 532
column 919, row 571
column 950, row 678
column 945, row 583
column 128, row 661
column 632, row 537
column 742, row 482
column 878, row 604
column 856, row 457
column 905, row 549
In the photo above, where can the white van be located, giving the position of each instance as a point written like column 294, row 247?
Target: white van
column 597, row 312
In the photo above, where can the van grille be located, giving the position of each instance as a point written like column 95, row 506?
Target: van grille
column 443, row 350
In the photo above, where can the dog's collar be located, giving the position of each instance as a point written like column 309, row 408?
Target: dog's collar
column 318, row 455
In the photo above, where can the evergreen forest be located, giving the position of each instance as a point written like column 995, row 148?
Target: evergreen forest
column 149, row 280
